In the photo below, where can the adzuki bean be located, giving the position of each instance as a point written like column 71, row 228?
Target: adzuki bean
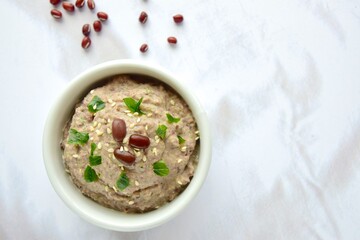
column 143, row 17
column 144, row 48
column 139, row 141
column 118, row 130
column 97, row 26
column 102, row 16
column 172, row 40
column 124, row 156
column 91, row 4
column 178, row 18
column 54, row 2
column 79, row 3
column 86, row 42
column 56, row 13
column 68, row 6
column 86, row 29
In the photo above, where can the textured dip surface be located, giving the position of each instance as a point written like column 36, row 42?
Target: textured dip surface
column 146, row 190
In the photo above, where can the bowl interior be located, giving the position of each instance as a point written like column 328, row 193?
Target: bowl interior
column 85, row 207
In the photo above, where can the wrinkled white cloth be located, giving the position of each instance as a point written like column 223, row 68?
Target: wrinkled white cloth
column 280, row 83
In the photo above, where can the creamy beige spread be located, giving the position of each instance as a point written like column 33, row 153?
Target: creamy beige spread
column 146, row 190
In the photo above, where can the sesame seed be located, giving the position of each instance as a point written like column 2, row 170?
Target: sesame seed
column 157, row 140
column 154, row 150
column 108, row 120
column 129, row 114
column 137, row 153
column 127, row 111
column 132, row 125
column 149, row 114
column 99, row 133
column 99, row 125
column 106, row 188
column 122, row 168
column 110, row 150
column 138, row 120
column 80, row 170
column 91, row 138
column 126, row 149
column 197, row 132
column 110, row 155
column 136, row 183
column 197, row 138
column 131, row 202
column 67, row 170
column 113, row 157
column 114, row 189
column 99, row 146
column 183, row 149
column 75, row 156
column 136, row 114
column 144, row 158
column 179, row 182
column 121, row 148
column 172, row 102
column 179, row 160
column 94, row 107
column 157, row 137
column 91, row 129
column 146, row 127
column 110, row 100
column 92, row 92
column 95, row 123
column 113, row 104
column 108, row 130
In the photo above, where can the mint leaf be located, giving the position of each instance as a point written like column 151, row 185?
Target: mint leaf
column 172, row 119
column 95, row 160
column 161, row 131
column 133, row 105
column 93, row 147
column 123, row 181
column 96, row 104
column 160, row 168
column 181, row 140
column 76, row 137
column 90, row 175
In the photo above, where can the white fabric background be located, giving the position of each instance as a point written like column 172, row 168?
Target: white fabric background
column 280, row 82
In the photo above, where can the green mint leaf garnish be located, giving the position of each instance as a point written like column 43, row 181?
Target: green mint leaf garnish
column 93, row 147
column 94, row 160
column 160, row 168
column 133, row 105
column 76, row 137
column 123, row 181
column 161, row 131
column 172, row 119
column 181, row 140
column 90, row 175
column 96, row 104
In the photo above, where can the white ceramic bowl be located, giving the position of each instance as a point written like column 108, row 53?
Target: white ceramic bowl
column 68, row 192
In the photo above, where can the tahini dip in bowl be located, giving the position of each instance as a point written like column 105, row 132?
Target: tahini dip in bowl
column 126, row 145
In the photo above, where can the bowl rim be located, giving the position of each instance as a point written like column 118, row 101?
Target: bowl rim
column 72, row 197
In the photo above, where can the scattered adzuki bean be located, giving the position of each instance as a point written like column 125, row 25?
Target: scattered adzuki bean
column 68, row 6
column 118, row 130
column 102, row 16
column 91, row 4
column 56, row 13
column 178, row 18
column 172, row 40
column 139, row 141
column 124, row 156
column 97, row 25
column 79, row 3
column 144, row 48
column 143, row 17
column 86, row 42
column 54, row 2
column 86, row 29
